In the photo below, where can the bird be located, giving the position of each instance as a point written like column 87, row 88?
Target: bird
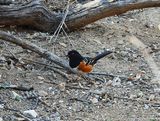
column 84, row 64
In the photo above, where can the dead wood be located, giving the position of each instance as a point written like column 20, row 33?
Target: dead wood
column 15, row 87
column 34, row 48
column 36, row 15
column 33, row 14
column 96, row 10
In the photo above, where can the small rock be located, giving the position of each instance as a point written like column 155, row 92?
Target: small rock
column 149, row 25
column 56, row 116
column 1, row 119
column 94, row 100
column 146, row 106
column 159, row 26
column 116, row 81
column 120, row 42
column 151, row 97
column 61, row 101
column 62, row 44
column 40, row 77
column 129, row 83
column 31, row 113
column 140, row 94
column 132, row 96
column 62, row 86
column 50, row 89
column 16, row 96
column 157, row 90
column 109, row 83
column 42, row 93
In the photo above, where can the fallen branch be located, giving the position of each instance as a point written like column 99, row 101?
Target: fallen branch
column 68, row 86
column 138, row 100
column 15, row 87
column 98, row 9
column 23, row 116
column 43, row 52
column 55, row 69
column 108, row 75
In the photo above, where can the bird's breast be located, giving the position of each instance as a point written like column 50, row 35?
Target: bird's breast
column 85, row 67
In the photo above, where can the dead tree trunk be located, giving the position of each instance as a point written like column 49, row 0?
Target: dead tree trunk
column 36, row 15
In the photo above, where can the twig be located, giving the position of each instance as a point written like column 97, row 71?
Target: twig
column 21, row 115
column 137, row 100
column 11, row 109
column 60, row 25
column 69, row 86
column 10, row 51
column 49, row 67
column 41, row 63
column 15, row 87
column 43, row 102
column 107, row 74
column 76, row 87
column 80, row 100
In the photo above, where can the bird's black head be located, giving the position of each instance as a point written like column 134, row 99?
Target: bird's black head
column 74, row 58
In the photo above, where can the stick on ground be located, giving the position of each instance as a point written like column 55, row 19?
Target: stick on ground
column 43, row 52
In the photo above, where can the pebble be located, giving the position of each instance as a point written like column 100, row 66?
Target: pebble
column 146, row 106
column 159, row 26
column 62, row 86
column 132, row 96
column 120, row 42
column 42, row 93
column 94, row 100
column 1, row 106
column 16, row 96
column 157, row 90
column 116, row 81
column 40, row 77
column 151, row 97
column 129, row 83
column 31, row 113
column 140, row 94
column 1, row 119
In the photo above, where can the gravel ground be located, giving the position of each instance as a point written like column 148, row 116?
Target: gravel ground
column 128, row 95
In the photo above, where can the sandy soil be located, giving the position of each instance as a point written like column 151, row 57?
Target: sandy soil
column 114, row 99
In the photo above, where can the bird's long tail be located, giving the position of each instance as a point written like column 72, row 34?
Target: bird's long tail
column 99, row 56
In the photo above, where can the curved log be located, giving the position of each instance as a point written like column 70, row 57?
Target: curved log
column 36, row 15
column 33, row 14
column 93, row 11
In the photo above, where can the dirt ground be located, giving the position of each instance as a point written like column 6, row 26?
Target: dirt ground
column 114, row 98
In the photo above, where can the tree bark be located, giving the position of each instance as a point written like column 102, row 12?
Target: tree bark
column 36, row 15
column 33, row 14
column 94, row 11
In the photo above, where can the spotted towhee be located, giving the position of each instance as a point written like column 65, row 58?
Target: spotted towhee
column 85, row 64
